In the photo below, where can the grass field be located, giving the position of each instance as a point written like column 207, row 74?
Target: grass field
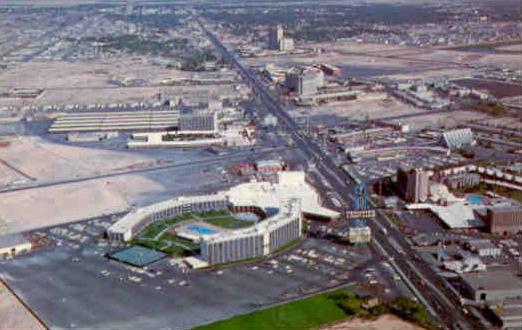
column 179, row 218
column 176, row 239
column 212, row 214
column 228, row 221
column 324, row 309
column 308, row 313
column 153, row 230
column 154, row 245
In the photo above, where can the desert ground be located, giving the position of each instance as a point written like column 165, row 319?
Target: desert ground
column 89, row 82
column 43, row 160
column 385, row 322
column 392, row 61
column 48, row 206
column 390, row 110
column 517, row 47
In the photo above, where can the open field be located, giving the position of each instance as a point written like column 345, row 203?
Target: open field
column 42, row 207
column 517, row 47
column 388, row 110
column 327, row 308
column 227, row 221
column 89, row 82
column 308, row 313
column 9, row 175
column 42, row 160
column 387, row 322
column 391, row 61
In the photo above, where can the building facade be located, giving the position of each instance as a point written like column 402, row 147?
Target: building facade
column 463, row 180
column 257, row 241
column 304, row 81
column 134, row 222
column 413, row 184
column 275, row 37
column 504, row 220
column 492, row 286
column 278, row 41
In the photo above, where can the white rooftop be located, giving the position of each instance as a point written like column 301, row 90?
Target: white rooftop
column 290, row 185
column 456, row 215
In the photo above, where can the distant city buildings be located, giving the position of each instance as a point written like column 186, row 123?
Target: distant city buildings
column 278, row 41
column 413, row 184
column 463, row 180
column 304, row 81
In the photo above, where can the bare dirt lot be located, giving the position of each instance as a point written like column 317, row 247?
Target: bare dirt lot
column 517, row 47
column 90, row 82
column 390, row 110
column 40, row 159
column 41, row 207
column 392, row 61
column 385, row 322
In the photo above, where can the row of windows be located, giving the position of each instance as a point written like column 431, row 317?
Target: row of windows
column 236, row 249
column 249, row 247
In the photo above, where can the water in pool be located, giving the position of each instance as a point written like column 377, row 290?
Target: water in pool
column 475, row 199
column 201, row 230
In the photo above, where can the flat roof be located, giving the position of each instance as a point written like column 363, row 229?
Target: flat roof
column 456, row 215
column 138, row 256
column 494, row 280
column 291, row 185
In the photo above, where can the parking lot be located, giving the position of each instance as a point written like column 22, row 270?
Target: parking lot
column 74, row 285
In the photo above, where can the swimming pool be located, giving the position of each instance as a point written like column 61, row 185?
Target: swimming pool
column 201, row 230
column 475, row 199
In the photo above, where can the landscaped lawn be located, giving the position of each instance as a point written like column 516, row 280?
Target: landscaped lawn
column 154, row 245
column 228, row 221
column 309, row 313
column 179, row 218
column 175, row 251
column 175, row 239
column 324, row 309
column 212, row 214
column 153, row 230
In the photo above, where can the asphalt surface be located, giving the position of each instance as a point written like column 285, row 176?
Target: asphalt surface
column 72, row 285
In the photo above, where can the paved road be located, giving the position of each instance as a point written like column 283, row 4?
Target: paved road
column 424, row 281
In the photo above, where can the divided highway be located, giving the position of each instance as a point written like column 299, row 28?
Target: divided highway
column 430, row 288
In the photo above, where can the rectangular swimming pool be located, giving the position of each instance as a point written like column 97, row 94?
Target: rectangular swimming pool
column 201, row 230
